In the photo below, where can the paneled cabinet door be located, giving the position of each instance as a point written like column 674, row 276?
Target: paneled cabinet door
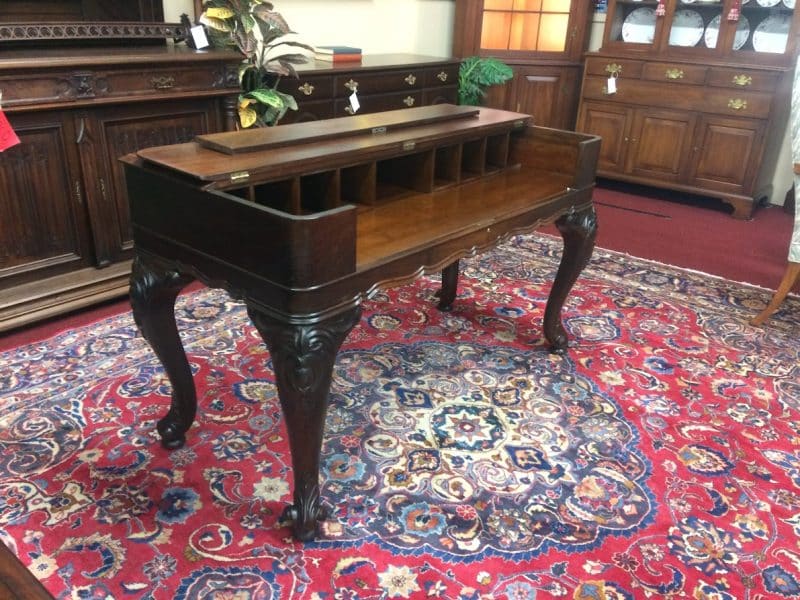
column 43, row 224
column 725, row 155
column 660, row 143
column 612, row 123
column 549, row 94
column 113, row 132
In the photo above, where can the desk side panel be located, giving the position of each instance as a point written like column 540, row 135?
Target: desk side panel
column 216, row 228
column 557, row 151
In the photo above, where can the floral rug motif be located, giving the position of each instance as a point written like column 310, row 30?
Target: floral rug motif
column 658, row 459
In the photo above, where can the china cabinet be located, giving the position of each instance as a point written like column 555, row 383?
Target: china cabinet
column 542, row 40
column 692, row 95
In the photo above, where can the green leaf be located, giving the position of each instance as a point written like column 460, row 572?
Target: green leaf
column 268, row 96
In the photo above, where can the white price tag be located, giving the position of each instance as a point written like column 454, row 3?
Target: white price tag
column 354, row 104
column 199, row 37
column 612, row 85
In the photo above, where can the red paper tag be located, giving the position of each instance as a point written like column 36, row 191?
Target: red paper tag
column 7, row 136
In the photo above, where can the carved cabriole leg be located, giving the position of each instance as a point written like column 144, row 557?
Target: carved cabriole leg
column 153, row 292
column 303, row 355
column 447, row 293
column 578, row 229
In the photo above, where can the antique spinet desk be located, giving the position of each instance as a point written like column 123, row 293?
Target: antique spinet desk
column 304, row 221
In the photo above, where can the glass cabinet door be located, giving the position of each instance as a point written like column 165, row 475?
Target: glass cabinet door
column 633, row 22
column 764, row 26
column 696, row 24
column 526, row 25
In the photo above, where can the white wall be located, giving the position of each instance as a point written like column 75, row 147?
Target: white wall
column 376, row 26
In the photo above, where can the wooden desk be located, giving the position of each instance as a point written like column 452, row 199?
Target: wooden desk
column 303, row 222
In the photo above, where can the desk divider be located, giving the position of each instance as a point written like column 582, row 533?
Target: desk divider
column 378, row 181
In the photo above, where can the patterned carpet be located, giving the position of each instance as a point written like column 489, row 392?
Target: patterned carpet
column 658, row 459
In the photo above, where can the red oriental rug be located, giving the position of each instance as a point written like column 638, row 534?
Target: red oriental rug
column 660, row 458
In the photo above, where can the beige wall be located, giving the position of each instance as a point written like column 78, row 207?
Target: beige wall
column 376, row 26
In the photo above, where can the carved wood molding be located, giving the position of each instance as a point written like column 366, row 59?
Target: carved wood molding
column 89, row 30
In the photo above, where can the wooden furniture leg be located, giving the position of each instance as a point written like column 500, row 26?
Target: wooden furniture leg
column 303, row 354
column 153, row 291
column 447, row 293
column 790, row 277
column 578, row 230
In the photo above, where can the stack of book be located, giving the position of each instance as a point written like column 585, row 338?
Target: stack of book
column 337, row 54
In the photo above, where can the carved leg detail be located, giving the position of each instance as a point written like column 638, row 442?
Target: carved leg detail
column 447, row 294
column 578, row 229
column 303, row 356
column 153, row 292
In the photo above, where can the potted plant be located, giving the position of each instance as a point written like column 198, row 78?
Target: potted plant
column 270, row 51
column 476, row 74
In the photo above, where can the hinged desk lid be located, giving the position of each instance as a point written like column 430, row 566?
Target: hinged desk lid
column 263, row 138
column 323, row 145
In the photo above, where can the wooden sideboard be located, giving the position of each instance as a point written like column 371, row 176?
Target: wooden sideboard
column 381, row 82
column 65, row 234
column 343, row 208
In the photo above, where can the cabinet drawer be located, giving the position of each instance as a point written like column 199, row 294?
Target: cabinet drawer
column 440, row 95
column 628, row 69
column 698, row 98
column 141, row 82
column 381, row 102
column 375, row 83
column 439, row 76
column 675, row 73
column 737, row 103
column 308, row 88
column 744, row 79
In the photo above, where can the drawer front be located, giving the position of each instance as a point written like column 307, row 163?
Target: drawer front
column 675, row 73
column 375, row 83
column 744, row 79
column 443, row 95
column 308, row 88
column 381, row 102
column 698, row 98
column 309, row 111
column 737, row 103
column 441, row 76
column 626, row 69
column 144, row 82
column 85, row 85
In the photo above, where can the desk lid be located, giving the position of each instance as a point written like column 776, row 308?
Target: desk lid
column 263, row 138
column 302, row 150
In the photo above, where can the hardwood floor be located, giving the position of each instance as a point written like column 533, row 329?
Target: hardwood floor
column 16, row 582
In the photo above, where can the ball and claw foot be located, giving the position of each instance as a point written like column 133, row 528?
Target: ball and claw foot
column 172, row 437
column 303, row 533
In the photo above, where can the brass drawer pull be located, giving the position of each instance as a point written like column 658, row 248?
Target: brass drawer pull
column 737, row 104
column 163, row 83
column 411, row 79
column 673, row 74
column 408, row 101
column 613, row 69
column 742, row 80
column 352, row 85
column 306, row 89
column 442, row 76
